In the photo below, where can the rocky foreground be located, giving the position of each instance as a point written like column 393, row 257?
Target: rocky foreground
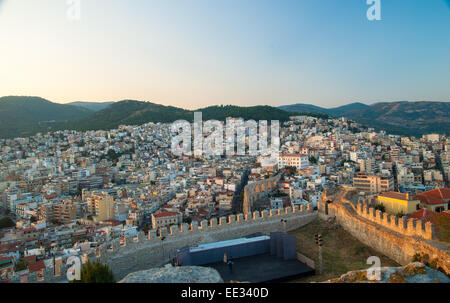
column 170, row 274
column 415, row 272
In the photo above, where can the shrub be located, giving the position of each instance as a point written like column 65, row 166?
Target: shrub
column 95, row 273
column 380, row 207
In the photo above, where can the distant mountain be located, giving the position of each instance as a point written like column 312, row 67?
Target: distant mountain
column 94, row 106
column 347, row 109
column 260, row 112
column 403, row 118
column 300, row 107
column 25, row 116
column 336, row 111
column 131, row 112
column 406, row 118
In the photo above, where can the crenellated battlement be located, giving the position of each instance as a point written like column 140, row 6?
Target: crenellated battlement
column 397, row 238
column 408, row 227
column 156, row 247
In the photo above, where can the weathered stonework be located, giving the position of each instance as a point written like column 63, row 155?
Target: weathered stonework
column 397, row 239
column 147, row 251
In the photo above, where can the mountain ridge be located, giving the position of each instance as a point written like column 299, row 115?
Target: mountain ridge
column 94, row 106
column 397, row 117
column 24, row 116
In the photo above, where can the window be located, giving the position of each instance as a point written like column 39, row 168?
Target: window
column 439, row 209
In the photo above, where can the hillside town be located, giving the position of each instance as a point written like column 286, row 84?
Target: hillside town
column 65, row 193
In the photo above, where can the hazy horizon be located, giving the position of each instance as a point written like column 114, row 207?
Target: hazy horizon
column 305, row 103
column 192, row 54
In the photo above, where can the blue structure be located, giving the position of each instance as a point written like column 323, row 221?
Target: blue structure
column 278, row 244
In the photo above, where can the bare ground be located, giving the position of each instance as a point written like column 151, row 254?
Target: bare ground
column 341, row 251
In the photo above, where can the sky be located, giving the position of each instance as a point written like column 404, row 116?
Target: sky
column 195, row 53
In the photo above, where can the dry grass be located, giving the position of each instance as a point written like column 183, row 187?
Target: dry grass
column 341, row 252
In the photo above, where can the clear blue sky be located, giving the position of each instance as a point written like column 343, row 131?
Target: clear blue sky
column 245, row 52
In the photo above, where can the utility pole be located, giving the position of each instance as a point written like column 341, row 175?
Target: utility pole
column 318, row 238
column 162, row 245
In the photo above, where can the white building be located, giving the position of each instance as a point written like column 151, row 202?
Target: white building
column 293, row 160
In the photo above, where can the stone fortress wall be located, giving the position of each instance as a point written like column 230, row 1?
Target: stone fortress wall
column 157, row 248
column 256, row 190
column 397, row 238
column 410, row 227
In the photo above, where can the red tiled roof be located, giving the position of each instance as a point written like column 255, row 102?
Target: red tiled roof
column 202, row 211
column 166, row 214
column 435, row 196
column 30, row 259
column 426, row 215
column 290, row 155
column 7, row 248
column 36, row 266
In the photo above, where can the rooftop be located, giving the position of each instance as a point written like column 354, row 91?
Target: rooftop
column 228, row 243
column 166, row 214
column 395, row 195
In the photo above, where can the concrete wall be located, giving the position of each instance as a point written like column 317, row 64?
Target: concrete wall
column 306, row 260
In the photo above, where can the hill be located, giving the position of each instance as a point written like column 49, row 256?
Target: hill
column 403, row 118
column 25, row 116
column 131, row 112
column 335, row 112
column 94, row 106
column 406, row 118
column 300, row 107
column 260, row 112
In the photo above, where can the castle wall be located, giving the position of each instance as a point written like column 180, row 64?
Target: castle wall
column 254, row 191
column 394, row 237
column 149, row 250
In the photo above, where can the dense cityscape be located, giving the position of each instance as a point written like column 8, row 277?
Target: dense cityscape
column 224, row 151
column 65, row 193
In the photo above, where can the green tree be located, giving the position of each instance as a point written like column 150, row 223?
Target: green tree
column 400, row 214
column 95, row 273
column 112, row 155
column 6, row 222
column 381, row 207
column 21, row 265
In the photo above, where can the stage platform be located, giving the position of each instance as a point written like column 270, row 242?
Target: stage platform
column 262, row 268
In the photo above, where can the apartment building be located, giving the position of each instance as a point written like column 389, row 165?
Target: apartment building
column 373, row 184
column 167, row 218
column 293, row 160
column 60, row 212
column 101, row 205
